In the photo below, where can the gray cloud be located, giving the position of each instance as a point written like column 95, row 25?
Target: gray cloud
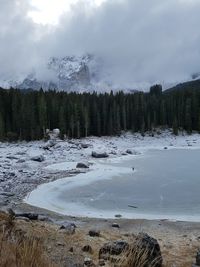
column 139, row 41
column 17, row 37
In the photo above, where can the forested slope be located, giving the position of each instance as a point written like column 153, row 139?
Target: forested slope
column 25, row 115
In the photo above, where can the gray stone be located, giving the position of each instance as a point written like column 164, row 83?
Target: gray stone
column 198, row 258
column 150, row 247
column 102, row 262
column 94, row 233
column 99, row 155
column 118, row 216
column 87, row 248
column 11, row 157
column 71, row 250
column 113, row 248
column 82, row 165
column 38, row 158
column 84, row 145
column 129, row 151
column 115, row 225
column 7, row 194
column 88, row 262
column 68, row 228
column 30, row 216
column 49, row 144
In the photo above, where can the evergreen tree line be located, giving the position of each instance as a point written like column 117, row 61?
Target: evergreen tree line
column 24, row 115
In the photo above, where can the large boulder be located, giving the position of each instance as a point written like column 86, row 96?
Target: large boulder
column 150, row 247
column 144, row 251
column 99, row 155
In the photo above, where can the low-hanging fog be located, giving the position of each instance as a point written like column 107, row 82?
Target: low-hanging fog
column 139, row 42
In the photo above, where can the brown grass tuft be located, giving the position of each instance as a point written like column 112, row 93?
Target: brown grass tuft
column 18, row 250
column 26, row 253
column 136, row 256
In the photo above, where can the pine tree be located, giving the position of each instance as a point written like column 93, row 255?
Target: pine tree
column 2, row 128
column 175, row 126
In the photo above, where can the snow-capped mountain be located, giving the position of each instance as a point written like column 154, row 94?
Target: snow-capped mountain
column 77, row 73
column 70, row 73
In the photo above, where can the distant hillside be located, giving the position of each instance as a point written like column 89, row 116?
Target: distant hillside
column 185, row 86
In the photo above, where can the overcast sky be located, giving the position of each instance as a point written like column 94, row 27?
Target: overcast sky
column 139, row 40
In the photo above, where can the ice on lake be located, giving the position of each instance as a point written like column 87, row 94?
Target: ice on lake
column 165, row 184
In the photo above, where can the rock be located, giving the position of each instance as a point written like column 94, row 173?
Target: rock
column 99, row 155
column 11, row 157
column 71, row 250
column 131, row 206
column 82, row 165
column 115, row 225
column 88, row 262
column 56, row 132
column 87, row 248
column 30, row 216
column 94, row 233
column 7, row 194
column 44, row 218
column 84, row 145
column 69, row 228
column 118, row 216
column 49, row 144
column 165, row 148
column 21, row 161
column 129, row 151
column 198, row 258
column 102, row 262
column 113, row 248
column 38, row 158
column 150, row 247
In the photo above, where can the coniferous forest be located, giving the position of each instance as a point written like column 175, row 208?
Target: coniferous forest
column 24, row 115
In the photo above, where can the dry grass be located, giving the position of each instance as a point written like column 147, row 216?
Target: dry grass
column 34, row 243
column 17, row 250
column 136, row 256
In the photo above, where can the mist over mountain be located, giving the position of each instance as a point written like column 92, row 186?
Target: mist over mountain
column 134, row 43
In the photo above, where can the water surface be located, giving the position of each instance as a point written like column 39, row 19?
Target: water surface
column 164, row 184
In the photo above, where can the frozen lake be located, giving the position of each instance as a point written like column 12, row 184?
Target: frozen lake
column 165, row 184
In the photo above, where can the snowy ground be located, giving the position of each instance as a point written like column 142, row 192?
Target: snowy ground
column 19, row 174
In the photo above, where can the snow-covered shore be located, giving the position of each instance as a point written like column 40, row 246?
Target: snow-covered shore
column 20, row 174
